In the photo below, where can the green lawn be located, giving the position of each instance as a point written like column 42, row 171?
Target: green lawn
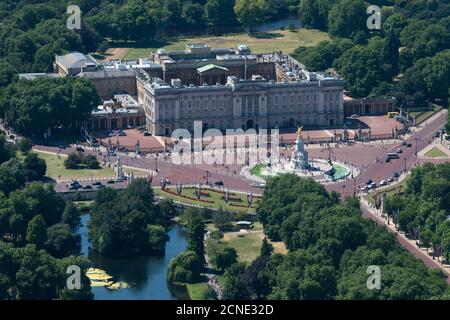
column 248, row 245
column 260, row 43
column 196, row 290
column 436, row 153
column 56, row 169
column 215, row 197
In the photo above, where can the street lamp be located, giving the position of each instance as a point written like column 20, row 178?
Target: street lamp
column 416, row 146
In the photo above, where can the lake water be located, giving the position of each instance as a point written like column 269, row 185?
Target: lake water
column 147, row 275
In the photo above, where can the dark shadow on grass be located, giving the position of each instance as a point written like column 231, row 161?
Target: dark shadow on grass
column 265, row 35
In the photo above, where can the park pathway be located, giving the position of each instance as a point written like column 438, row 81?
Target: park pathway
column 213, row 282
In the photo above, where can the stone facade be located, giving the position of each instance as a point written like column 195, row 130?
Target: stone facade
column 369, row 107
column 121, row 112
column 255, row 103
column 110, row 82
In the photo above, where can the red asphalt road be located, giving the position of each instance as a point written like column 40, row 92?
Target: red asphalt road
column 377, row 171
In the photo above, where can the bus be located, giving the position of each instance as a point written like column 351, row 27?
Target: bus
column 392, row 114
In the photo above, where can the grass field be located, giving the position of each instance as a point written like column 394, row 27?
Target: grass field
column 248, row 245
column 196, row 290
column 215, row 197
column 56, row 169
column 259, row 43
column 436, row 153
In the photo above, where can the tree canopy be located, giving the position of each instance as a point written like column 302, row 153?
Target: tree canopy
column 128, row 223
column 44, row 104
column 330, row 249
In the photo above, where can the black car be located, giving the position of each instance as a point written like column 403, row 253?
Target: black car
column 408, row 145
column 396, row 174
column 97, row 183
column 404, row 143
column 88, row 187
column 388, row 160
column 110, row 182
column 74, row 183
column 369, row 181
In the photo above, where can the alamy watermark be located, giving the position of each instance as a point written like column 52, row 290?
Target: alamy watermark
column 235, row 147
column 74, row 20
column 74, row 280
column 374, row 280
column 374, row 20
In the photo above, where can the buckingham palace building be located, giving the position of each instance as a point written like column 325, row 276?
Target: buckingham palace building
column 285, row 96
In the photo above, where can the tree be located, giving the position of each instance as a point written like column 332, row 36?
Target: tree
column 25, row 145
column 193, row 13
column 425, row 237
column 37, row 276
column 66, row 101
column 6, row 149
column 72, row 161
column 17, row 169
column 119, row 225
column 61, row 241
column 362, row 68
column 37, row 231
column 8, row 73
column 220, row 13
column 234, row 286
column 71, row 216
column 185, row 268
column 314, row 13
column 346, row 18
column 35, row 167
column 249, row 12
column 266, row 248
column 222, row 220
column 134, row 22
column 196, row 232
column 157, row 238
column 7, row 181
column 225, row 258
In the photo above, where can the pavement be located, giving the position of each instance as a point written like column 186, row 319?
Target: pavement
column 410, row 245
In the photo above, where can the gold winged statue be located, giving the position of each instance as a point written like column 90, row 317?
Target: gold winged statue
column 299, row 132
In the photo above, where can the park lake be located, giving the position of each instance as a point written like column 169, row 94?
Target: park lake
column 145, row 275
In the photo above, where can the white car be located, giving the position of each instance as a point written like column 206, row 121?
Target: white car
column 383, row 183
